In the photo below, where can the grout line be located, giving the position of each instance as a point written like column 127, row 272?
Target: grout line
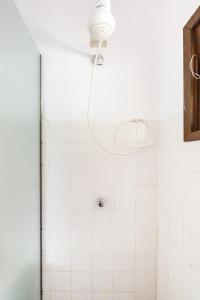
column 135, row 217
column 70, row 226
column 93, row 224
column 114, row 231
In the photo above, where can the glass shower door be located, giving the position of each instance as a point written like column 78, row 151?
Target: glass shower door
column 19, row 158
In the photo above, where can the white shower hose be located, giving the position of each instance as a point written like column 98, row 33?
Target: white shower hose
column 134, row 147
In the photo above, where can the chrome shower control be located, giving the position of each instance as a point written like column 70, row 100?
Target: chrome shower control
column 100, row 60
column 101, row 202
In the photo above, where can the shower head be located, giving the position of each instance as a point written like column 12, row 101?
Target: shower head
column 102, row 23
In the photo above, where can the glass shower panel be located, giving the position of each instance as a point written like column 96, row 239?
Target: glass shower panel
column 19, row 158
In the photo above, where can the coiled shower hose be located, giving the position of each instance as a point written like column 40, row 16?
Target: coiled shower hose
column 134, row 147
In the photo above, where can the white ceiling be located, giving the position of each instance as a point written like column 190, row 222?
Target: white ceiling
column 63, row 23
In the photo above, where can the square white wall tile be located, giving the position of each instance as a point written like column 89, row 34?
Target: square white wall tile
column 146, row 260
column 177, row 196
column 145, row 281
column 103, row 260
column 145, row 296
column 46, row 278
column 146, row 239
column 82, row 197
column 146, row 219
column 80, row 133
column 172, row 154
column 192, row 218
column 103, row 281
column 103, row 296
column 124, row 240
column 104, row 175
column 192, row 160
column 171, row 128
column 163, row 200
column 191, row 251
column 82, row 175
column 60, row 281
column 56, row 154
column 146, row 198
column 124, row 219
column 60, row 296
column 60, row 239
column 58, row 218
column 46, row 244
column 57, row 260
column 56, row 176
column 45, row 220
column 124, row 281
column 81, row 239
column 176, row 235
column 125, row 296
column 126, row 159
column 147, row 156
column 56, row 132
column 82, row 260
column 81, row 281
column 163, row 248
column 81, row 296
column 125, row 176
column 176, row 274
column 125, row 198
column 192, row 180
column 163, row 224
column 146, row 176
column 163, row 271
column 102, row 157
column 56, row 198
column 105, row 132
column 124, row 261
column 191, row 282
column 82, row 154
column 81, row 219
column 103, row 219
column 103, row 240
column 46, row 295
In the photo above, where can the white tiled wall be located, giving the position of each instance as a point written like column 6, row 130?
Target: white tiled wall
column 178, row 167
column 179, row 214
column 91, row 252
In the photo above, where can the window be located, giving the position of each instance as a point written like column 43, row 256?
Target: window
column 191, row 34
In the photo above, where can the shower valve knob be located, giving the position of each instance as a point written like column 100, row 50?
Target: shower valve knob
column 101, row 202
column 100, row 60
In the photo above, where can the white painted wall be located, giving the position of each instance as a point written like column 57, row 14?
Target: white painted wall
column 128, row 77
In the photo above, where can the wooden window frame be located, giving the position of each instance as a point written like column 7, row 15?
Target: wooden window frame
column 191, row 85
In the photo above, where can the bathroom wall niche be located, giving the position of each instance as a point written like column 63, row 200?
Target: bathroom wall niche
column 191, row 46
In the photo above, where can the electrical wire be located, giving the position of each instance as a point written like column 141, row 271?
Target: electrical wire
column 194, row 74
column 134, row 147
